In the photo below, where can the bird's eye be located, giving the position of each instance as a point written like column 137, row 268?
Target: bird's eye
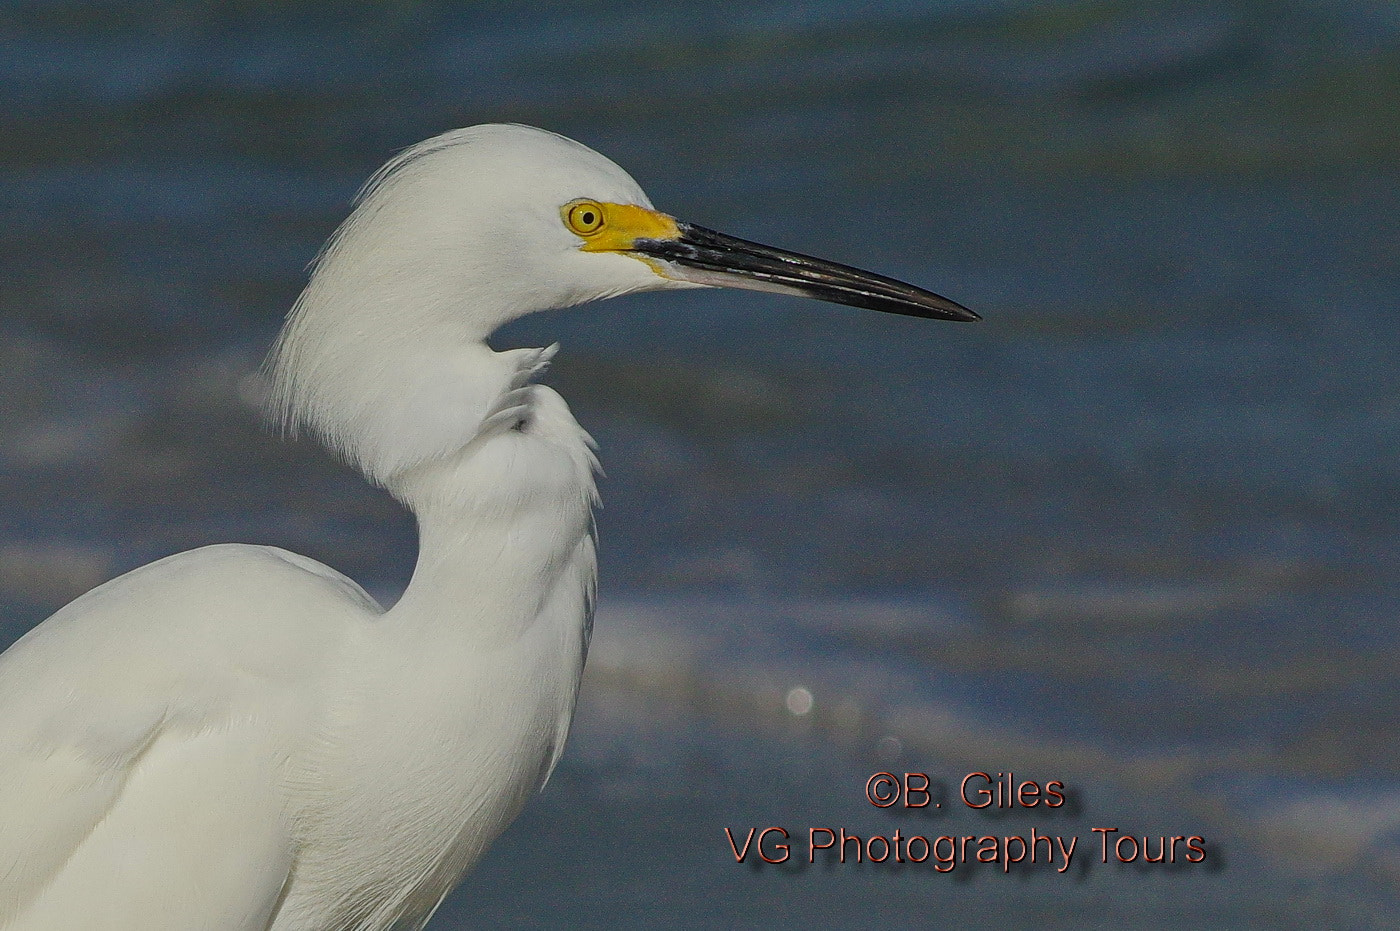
column 584, row 217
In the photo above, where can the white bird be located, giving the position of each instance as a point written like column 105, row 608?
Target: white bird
column 237, row 737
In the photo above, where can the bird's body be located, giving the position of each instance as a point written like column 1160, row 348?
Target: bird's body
column 240, row 738
column 275, row 751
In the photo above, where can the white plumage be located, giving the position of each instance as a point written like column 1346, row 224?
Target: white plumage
column 237, row 737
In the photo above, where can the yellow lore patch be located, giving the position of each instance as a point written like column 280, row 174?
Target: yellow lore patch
column 607, row 227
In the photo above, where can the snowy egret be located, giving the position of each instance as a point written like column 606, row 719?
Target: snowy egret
column 238, row 737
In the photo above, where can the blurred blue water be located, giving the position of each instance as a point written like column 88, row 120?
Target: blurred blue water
column 1148, row 507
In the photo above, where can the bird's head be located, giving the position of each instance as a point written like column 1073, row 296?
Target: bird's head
column 514, row 219
column 469, row 230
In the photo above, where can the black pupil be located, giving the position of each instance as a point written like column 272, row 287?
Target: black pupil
column 588, row 218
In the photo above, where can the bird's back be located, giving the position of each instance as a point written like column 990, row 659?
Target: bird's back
column 144, row 729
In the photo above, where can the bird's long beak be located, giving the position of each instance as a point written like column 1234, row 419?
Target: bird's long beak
column 706, row 257
column 685, row 252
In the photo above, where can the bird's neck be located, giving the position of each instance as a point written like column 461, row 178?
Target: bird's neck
column 468, row 683
column 504, row 524
column 496, row 471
